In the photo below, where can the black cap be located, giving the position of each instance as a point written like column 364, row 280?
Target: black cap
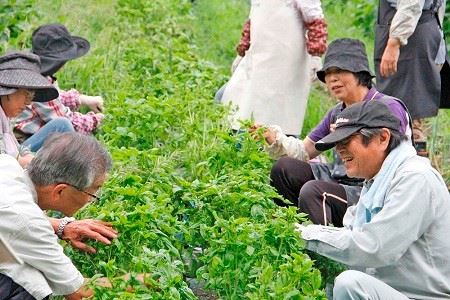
column 345, row 54
column 366, row 114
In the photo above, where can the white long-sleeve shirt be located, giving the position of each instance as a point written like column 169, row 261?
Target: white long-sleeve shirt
column 46, row 269
column 405, row 245
column 406, row 18
column 405, row 22
column 310, row 9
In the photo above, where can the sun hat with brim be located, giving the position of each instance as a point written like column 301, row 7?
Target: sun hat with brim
column 366, row 114
column 21, row 70
column 345, row 54
column 55, row 46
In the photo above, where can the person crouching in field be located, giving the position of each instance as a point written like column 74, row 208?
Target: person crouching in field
column 398, row 231
column 64, row 176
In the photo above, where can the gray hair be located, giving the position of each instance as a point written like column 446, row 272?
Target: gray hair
column 70, row 158
column 394, row 142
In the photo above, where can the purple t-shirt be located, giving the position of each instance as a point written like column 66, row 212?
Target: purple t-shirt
column 397, row 109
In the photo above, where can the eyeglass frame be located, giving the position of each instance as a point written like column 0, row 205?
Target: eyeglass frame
column 29, row 95
column 87, row 193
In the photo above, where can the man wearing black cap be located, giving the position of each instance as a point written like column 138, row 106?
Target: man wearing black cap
column 398, row 231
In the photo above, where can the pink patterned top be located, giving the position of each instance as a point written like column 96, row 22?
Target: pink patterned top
column 39, row 113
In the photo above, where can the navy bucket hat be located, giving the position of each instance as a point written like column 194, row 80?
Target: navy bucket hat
column 55, row 46
column 345, row 54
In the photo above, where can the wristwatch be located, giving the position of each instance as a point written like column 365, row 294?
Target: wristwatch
column 62, row 224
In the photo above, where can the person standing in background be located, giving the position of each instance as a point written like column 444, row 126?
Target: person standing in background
column 272, row 80
column 409, row 54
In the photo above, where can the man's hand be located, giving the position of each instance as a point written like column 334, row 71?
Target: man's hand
column 389, row 59
column 82, row 293
column 77, row 232
column 95, row 103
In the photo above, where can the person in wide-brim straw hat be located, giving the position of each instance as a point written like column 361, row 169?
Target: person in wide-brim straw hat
column 318, row 189
column 55, row 46
column 21, row 70
column 20, row 84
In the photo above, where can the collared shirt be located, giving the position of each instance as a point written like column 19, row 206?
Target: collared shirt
column 293, row 147
column 8, row 142
column 406, row 244
column 46, row 269
column 38, row 114
column 323, row 128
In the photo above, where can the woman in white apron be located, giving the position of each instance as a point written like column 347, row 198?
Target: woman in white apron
column 271, row 83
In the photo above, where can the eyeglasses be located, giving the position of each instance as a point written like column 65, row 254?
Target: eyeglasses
column 29, row 95
column 96, row 196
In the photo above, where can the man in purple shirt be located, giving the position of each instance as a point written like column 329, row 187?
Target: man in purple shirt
column 324, row 191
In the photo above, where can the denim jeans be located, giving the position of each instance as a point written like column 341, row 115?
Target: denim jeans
column 34, row 142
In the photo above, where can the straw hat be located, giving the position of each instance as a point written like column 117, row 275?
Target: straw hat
column 22, row 70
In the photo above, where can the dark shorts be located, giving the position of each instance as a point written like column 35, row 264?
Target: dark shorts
column 9, row 290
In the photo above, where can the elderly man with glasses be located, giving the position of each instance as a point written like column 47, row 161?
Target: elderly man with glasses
column 397, row 233
column 65, row 175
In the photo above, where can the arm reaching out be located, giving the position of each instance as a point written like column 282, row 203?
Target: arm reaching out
column 78, row 231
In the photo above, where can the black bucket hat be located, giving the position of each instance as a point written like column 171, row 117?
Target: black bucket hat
column 55, row 46
column 345, row 54
column 22, row 70
column 366, row 114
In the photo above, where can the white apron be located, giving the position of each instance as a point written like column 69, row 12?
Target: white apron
column 272, row 81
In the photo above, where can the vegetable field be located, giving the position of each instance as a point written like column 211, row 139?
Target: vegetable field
column 191, row 201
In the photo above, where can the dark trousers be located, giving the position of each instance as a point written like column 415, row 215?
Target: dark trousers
column 324, row 202
column 9, row 290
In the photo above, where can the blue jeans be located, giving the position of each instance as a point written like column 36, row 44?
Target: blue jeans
column 60, row 124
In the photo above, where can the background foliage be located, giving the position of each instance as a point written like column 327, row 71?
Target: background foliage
column 189, row 199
